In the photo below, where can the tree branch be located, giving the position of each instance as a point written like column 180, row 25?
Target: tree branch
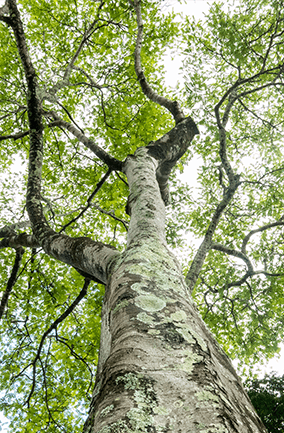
column 54, row 325
column 278, row 223
column 14, row 136
column 265, row 122
column 240, row 82
column 248, row 274
column 82, row 253
column 111, row 214
column 169, row 149
column 85, row 208
column 33, row 199
column 232, row 98
column 92, row 83
column 172, row 106
column 3, row 11
column 11, row 282
column 112, row 162
column 206, row 244
column 235, row 253
column 19, row 240
column 65, row 81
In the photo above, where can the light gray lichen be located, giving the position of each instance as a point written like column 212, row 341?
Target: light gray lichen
column 150, row 303
column 145, row 318
column 140, row 417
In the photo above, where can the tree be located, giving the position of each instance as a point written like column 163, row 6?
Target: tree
column 267, row 397
column 77, row 102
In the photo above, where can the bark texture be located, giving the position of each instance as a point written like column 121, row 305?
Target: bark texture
column 160, row 369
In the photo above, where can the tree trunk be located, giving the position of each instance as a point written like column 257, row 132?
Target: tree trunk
column 160, row 369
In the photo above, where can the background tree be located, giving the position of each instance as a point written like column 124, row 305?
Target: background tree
column 75, row 101
column 234, row 64
column 268, row 399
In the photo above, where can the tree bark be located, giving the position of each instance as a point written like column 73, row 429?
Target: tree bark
column 160, row 369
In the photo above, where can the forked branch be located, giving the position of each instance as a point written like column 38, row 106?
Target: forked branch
column 65, row 81
column 234, row 253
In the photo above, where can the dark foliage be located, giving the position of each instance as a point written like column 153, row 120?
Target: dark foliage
column 267, row 396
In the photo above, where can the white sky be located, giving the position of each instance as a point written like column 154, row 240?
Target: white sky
column 196, row 8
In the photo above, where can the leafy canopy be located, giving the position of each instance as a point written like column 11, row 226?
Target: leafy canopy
column 234, row 61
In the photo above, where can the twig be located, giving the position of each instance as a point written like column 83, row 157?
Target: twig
column 111, row 214
column 64, row 341
column 98, row 187
column 70, row 116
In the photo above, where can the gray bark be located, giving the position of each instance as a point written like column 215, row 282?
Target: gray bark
column 160, row 369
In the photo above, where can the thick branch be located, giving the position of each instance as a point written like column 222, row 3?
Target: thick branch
column 19, row 240
column 82, row 253
column 85, row 255
column 169, row 149
column 172, row 106
column 206, row 244
column 33, row 200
